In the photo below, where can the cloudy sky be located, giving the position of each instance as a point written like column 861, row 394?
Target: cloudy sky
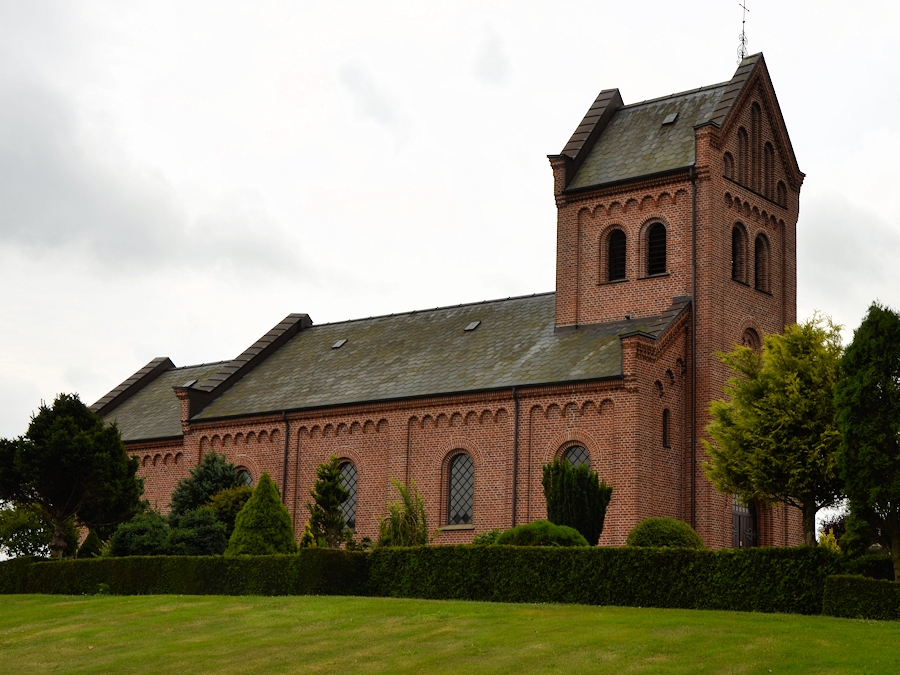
column 177, row 177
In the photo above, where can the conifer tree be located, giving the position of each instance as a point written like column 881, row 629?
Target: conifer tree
column 212, row 475
column 326, row 519
column 263, row 526
column 576, row 497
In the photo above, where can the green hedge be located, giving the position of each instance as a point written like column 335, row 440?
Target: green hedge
column 14, row 574
column 761, row 579
column 312, row 572
column 856, row 597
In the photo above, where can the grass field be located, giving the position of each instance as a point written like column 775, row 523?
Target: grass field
column 206, row 634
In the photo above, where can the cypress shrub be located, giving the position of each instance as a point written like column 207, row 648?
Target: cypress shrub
column 669, row 532
column 326, row 518
column 541, row 533
column 263, row 526
column 576, row 497
column 856, row 597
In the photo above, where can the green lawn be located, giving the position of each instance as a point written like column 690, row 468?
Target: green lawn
column 213, row 634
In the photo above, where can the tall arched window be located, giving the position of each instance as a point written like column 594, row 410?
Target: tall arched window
column 615, row 255
column 743, row 523
column 742, row 158
column 761, row 267
column 665, row 428
column 656, row 249
column 578, row 455
column 728, row 162
column 738, row 254
column 755, row 145
column 769, row 172
column 782, row 193
column 348, row 482
column 462, row 490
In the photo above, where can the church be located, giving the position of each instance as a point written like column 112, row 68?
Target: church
column 676, row 239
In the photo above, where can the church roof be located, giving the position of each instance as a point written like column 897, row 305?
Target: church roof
column 417, row 354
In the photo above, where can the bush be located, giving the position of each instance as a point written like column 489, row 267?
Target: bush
column 326, row 518
column 91, row 547
column 541, row 533
column 668, row 532
column 14, row 574
column 145, row 534
column 226, row 504
column 213, row 475
column 576, row 498
column 856, row 597
column 263, row 527
column 407, row 522
column 197, row 533
column 488, row 538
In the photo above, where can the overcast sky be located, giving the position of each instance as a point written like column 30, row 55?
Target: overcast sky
column 177, row 177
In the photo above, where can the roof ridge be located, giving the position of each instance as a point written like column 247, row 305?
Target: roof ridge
column 677, row 94
column 200, row 365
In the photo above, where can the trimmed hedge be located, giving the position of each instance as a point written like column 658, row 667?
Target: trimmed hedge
column 14, row 574
column 762, row 579
column 856, row 597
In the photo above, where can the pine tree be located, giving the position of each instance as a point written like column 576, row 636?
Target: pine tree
column 214, row 474
column 576, row 497
column 263, row 526
column 326, row 519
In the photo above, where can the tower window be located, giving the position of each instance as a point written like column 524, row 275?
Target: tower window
column 738, row 254
column 728, row 162
column 462, row 490
column 656, row 249
column 616, row 255
column 761, row 271
column 665, row 428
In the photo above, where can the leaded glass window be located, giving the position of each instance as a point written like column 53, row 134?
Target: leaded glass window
column 578, row 456
column 656, row 250
column 616, row 255
column 348, row 482
column 245, row 477
column 462, row 490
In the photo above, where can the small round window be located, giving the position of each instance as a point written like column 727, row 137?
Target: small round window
column 577, row 456
column 244, row 477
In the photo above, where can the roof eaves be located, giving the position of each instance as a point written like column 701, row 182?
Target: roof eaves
column 631, row 179
column 588, row 131
column 133, row 385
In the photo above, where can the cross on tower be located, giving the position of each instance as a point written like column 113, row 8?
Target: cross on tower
column 742, row 38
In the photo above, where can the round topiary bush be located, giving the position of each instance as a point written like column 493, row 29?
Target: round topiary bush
column 669, row 532
column 542, row 533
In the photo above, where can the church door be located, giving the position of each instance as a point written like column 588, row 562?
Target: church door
column 743, row 523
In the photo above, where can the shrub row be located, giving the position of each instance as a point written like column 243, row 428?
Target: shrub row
column 857, row 597
column 763, row 579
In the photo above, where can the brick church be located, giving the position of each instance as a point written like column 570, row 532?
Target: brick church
column 676, row 239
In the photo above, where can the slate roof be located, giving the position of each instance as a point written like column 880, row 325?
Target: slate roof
column 636, row 143
column 430, row 353
column 155, row 411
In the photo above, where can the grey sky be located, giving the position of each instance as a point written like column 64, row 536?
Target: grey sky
column 176, row 177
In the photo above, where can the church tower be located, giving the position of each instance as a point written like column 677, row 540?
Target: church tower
column 693, row 197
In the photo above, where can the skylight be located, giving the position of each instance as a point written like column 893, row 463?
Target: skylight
column 473, row 325
column 339, row 344
column 670, row 118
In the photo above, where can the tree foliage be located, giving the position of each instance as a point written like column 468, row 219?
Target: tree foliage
column 326, row 519
column 212, row 475
column 226, row 504
column 91, row 547
column 26, row 530
column 576, row 497
column 868, row 401
column 145, row 534
column 668, row 532
column 406, row 523
column 71, row 466
column 197, row 532
column 541, row 533
column 776, row 436
column 263, row 526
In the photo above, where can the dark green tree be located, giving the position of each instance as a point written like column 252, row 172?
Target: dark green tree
column 326, row 519
column 406, row 523
column 576, row 497
column 71, row 466
column 867, row 396
column 214, row 474
column 197, row 532
column 263, row 526
column 776, row 437
column 25, row 530
column 226, row 504
column 145, row 534
column 91, row 547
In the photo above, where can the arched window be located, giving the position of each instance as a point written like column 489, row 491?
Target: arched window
column 769, row 172
column 738, row 254
column 462, row 490
column 782, row 193
column 348, row 482
column 743, row 523
column 578, row 455
column 742, row 158
column 656, row 249
column 761, row 267
column 729, row 166
column 751, row 339
column 244, row 476
column 755, row 145
column 615, row 255
column 665, row 428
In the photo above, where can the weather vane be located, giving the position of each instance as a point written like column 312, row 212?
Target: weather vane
column 742, row 47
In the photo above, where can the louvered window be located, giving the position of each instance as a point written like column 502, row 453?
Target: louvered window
column 761, row 272
column 348, row 482
column 665, row 428
column 656, row 250
column 738, row 254
column 616, row 255
column 462, row 490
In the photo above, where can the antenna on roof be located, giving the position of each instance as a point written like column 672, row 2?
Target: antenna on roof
column 742, row 38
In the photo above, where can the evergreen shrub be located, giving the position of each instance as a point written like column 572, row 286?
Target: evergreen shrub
column 197, row 532
column 91, row 547
column 576, row 497
column 211, row 476
column 856, row 597
column 263, row 526
column 145, row 534
column 226, row 504
column 406, row 523
column 669, row 532
column 541, row 533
